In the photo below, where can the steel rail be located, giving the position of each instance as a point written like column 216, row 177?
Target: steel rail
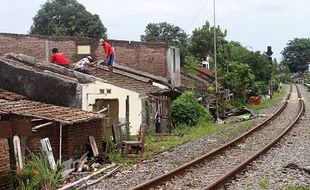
column 165, row 177
column 242, row 165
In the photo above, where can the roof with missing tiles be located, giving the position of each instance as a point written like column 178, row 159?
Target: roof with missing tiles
column 123, row 79
column 12, row 103
column 138, row 84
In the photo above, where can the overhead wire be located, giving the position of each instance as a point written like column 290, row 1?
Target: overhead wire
column 195, row 17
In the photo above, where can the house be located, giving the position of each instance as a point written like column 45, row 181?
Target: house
column 67, row 129
column 124, row 93
column 156, row 58
column 155, row 64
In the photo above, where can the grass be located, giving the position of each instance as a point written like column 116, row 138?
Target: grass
column 297, row 187
column 264, row 183
column 37, row 174
column 157, row 144
column 276, row 99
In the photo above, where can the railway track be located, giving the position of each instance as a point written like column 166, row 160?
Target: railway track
column 211, row 170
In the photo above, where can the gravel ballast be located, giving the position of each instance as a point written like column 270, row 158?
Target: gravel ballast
column 166, row 161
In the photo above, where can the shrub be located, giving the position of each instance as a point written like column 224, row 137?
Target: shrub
column 187, row 110
column 37, row 174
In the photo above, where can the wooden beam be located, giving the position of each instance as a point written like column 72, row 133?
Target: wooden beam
column 42, row 125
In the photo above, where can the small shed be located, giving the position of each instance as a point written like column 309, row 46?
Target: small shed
column 67, row 129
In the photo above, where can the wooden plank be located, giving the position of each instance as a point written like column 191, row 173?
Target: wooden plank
column 82, row 164
column 93, row 146
column 86, row 178
column 18, row 154
column 47, row 148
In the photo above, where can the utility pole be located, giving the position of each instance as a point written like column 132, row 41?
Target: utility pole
column 215, row 63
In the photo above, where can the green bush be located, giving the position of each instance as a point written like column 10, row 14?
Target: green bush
column 37, row 174
column 187, row 110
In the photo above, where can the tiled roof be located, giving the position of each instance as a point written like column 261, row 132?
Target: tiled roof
column 124, row 81
column 205, row 71
column 15, row 104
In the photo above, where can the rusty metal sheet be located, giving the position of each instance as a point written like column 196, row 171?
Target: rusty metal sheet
column 22, row 128
column 6, row 130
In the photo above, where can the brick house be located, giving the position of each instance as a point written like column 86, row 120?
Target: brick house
column 157, row 58
column 66, row 126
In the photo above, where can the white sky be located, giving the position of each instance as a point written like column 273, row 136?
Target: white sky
column 255, row 23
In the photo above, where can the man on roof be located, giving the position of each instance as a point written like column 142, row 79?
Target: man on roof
column 59, row 58
column 80, row 65
column 108, row 55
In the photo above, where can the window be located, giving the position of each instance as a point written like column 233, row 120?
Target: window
column 83, row 49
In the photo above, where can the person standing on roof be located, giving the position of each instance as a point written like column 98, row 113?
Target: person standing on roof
column 108, row 55
column 80, row 65
column 59, row 58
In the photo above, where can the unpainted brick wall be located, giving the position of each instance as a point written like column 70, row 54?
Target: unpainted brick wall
column 74, row 138
column 4, row 163
column 148, row 57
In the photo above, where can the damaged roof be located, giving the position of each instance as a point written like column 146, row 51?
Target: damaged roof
column 139, row 84
column 11, row 103
column 128, row 80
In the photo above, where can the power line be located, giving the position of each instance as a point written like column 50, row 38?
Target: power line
column 195, row 17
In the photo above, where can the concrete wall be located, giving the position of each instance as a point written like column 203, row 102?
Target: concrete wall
column 174, row 66
column 91, row 92
column 38, row 86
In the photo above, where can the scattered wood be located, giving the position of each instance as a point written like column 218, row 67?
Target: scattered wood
column 93, row 146
column 80, row 167
column 65, row 173
column 80, row 173
column 81, row 158
column 100, row 178
column 86, row 178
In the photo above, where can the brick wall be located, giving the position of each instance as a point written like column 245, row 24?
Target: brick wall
column 4, row 164
column 75, row 138
column 148, row 57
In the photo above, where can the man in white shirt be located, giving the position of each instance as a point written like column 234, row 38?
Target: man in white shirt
column 80, row 65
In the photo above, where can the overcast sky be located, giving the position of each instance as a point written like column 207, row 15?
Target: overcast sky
column 255, row 23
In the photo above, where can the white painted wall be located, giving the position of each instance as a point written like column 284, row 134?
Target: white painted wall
column 91, row 92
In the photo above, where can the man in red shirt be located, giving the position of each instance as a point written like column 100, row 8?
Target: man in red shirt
column 108, row 55
column 59, row 58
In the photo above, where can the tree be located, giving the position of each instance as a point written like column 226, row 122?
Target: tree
column 296, row 55
column 201, row 42
column 165, row 32
column 238, row 79
column 67, row 18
